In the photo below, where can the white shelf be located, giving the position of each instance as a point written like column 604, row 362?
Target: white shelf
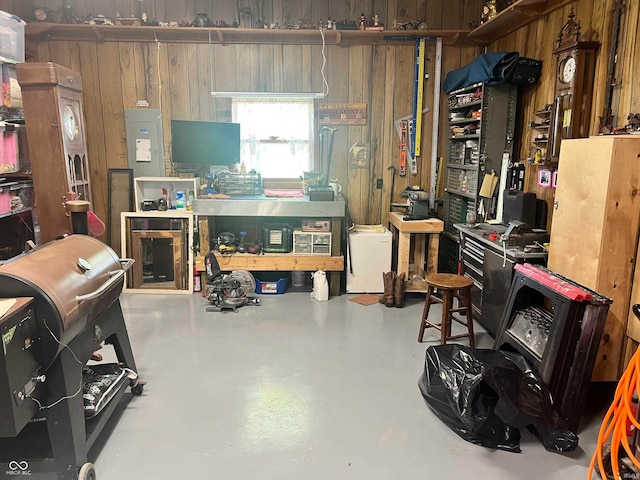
column 150, row 188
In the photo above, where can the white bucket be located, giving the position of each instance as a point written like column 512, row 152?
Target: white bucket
column 297, row 278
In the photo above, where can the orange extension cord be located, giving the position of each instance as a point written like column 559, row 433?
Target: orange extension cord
column 615, row 422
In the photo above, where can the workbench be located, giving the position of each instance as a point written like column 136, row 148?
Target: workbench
column 421, row 230
column 272, row 208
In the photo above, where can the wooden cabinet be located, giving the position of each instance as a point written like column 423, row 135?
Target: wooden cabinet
column 161, row 243
column 52, row 99
column 594, row 235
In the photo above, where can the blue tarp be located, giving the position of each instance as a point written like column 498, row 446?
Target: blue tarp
column 491, row 68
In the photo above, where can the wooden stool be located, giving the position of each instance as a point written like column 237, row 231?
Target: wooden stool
column 452, row 286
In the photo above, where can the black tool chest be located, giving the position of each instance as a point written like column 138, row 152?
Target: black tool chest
column 491, row 267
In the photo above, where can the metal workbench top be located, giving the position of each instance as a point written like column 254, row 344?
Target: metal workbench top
column 481, row 232
column 261, row 206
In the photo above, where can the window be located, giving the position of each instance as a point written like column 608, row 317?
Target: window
column 276, row 135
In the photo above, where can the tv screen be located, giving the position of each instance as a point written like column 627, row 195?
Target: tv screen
column 205, row 143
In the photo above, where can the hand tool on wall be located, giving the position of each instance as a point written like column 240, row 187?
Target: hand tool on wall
column 606, row 120
column 417, row 98
column 435, row 122
column 404, row 131
column 393, row 182
column 349, row 226
column 327, row 166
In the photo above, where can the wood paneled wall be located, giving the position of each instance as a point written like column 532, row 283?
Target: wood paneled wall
column 536, row 40
column 179, row 77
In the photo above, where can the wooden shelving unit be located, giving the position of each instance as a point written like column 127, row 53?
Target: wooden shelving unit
column 276, row 262
column 516, row 15
column 122, row 33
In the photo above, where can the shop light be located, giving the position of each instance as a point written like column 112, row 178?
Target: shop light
column 267, row 95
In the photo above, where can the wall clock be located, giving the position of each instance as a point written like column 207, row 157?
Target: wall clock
column 567, row 70
column 40, row 14
column 52, row 98
column 70, row 120
column 573, row 85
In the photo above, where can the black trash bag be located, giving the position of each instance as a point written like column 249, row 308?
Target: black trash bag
column 525, row 400
column 452, row 386
column 485, row 396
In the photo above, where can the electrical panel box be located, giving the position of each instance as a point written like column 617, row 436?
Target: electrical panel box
column 145, row 142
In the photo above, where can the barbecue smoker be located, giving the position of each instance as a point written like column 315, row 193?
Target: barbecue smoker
column 66, row 304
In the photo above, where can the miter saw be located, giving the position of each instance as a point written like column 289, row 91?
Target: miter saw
column 228, row 291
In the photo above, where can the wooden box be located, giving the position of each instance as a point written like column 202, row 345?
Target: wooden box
column 594, row 234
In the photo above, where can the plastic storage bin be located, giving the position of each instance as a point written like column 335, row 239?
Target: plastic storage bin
column 9, row 163
column 11, row 37
column 311, row 243
column 269, row 286
column 5, row 203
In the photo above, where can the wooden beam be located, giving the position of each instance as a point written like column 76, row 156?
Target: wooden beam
column 275, row 262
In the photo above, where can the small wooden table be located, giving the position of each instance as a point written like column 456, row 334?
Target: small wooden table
column 422, row 229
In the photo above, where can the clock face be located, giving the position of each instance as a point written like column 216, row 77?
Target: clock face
column 70, row 122
column 567, row 70
column 40, row 14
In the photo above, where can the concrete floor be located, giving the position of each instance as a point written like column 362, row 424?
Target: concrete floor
column 297, row 389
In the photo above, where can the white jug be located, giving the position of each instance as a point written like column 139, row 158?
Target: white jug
column 320, row 286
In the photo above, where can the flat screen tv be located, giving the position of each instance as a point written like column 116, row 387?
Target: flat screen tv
column 205, row 143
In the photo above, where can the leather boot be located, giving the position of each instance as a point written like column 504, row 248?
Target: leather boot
column 387, row 298
column 398, row 291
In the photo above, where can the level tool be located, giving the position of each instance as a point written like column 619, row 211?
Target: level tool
column 417, row 98
column 413, row 164
column 404, row 132
column 436, row 120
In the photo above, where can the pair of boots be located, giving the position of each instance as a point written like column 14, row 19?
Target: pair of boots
column 393, row 290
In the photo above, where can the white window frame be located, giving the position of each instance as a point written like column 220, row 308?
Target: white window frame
column 275, row 146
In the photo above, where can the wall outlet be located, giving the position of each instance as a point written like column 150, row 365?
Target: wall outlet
column 379, row 183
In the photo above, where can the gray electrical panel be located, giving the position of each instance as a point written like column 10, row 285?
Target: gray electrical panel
column 145, row 143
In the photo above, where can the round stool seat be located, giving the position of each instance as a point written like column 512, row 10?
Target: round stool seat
column 452, row 286
column 449, row 281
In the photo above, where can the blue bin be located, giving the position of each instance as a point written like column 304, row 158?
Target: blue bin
column 271, row 287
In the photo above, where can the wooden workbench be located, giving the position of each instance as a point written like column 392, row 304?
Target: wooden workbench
column 422, row 230
column 271, row 209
